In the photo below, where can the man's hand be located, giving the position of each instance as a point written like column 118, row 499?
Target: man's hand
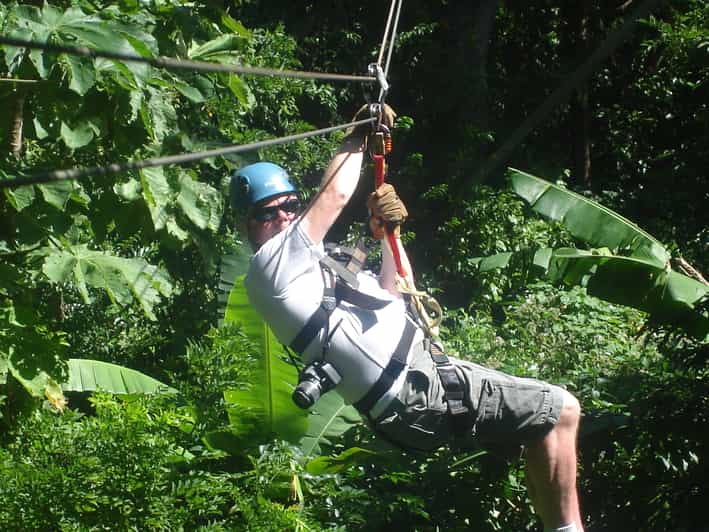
column 388, row 117
column 388, row 211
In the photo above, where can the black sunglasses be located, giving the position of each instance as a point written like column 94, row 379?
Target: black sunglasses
column 266, row 214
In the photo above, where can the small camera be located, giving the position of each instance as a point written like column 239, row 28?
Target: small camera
column 316, row 379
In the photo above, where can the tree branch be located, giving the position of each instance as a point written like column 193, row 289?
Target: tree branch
column 690, row 271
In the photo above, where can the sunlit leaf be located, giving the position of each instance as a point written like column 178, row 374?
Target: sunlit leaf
column 329, row 419
column 200, row 202
column 78, row 136
column 85, row 375
column 188, row 91
column 157, row 194
column 335, row 464
column 57, row 194
column 82, row 74
column 217, row 47
column 587, row 220
column 124, row 280
column 264, row 408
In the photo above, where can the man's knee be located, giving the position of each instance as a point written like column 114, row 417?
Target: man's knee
column 570, row 411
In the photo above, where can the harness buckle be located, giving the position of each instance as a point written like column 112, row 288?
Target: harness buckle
column 329, row 303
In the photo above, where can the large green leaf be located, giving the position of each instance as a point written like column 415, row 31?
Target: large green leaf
column 336, row 464
column 76, row 137
column 160, row 199
column 200, row 202
column 71, row 27
column 29, row 350
column 57, row 194
column 264, row 408
column 233, row 265
column 123, row 279
column 666, row 295
column 328, row 419
column 587, row 220
column 84, row 375
column 222, row 48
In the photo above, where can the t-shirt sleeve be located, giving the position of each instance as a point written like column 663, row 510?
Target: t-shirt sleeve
column 284, row 282
column 282, row 259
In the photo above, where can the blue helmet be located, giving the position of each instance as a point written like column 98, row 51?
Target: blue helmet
column 257, row 182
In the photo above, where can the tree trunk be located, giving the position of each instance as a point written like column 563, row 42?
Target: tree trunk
column 463, row 94
column 17, row 107
column 576, row 45
column 559, row 96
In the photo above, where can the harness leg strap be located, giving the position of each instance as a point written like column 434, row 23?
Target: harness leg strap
column 451, row 381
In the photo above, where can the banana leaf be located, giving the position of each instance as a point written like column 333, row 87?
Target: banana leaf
column 587, row 220
column 264, row 408
column 667, row 296
column 328, row 419
column 85, row 375
column 233, row 265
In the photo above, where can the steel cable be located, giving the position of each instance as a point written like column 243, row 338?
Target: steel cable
column 116, row 168
column 165, row 62
column 185, row 64
column 387, row 29
column 388, row 44
column 393, row 37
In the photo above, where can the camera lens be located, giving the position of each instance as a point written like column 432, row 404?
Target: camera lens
column 306, row 393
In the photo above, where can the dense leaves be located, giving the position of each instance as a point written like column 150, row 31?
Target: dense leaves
column 123, row 269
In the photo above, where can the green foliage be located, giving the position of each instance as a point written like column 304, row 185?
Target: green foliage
column 121, row 469
column 223, row 359
column 127, row 466
column 122, row 279
column 264, row 408
column 587, row 220
column 491, row 222
column 643, row 269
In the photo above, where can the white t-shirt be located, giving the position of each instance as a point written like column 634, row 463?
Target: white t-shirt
column 285, row 285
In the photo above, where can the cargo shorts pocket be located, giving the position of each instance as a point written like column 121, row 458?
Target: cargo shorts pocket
column 422, row 430
column 417, row 418
column 516, row 411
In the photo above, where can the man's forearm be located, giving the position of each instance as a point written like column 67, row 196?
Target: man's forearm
column 338, row 184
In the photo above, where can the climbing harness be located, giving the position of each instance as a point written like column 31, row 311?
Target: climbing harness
column 339, row 268
column 340, row 284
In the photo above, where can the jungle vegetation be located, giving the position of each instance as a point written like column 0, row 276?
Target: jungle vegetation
column 133, row 374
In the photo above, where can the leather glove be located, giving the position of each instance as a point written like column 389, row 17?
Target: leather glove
column 385, row 205
column 388, row 117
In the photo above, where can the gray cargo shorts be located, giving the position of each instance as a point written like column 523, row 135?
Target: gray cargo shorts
column 505, row 412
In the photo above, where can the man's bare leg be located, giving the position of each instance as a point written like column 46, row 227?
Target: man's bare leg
column 551, row 471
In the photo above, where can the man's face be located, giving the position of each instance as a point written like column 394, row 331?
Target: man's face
column 269, row 218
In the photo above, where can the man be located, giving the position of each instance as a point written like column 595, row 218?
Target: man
column 378, row 351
